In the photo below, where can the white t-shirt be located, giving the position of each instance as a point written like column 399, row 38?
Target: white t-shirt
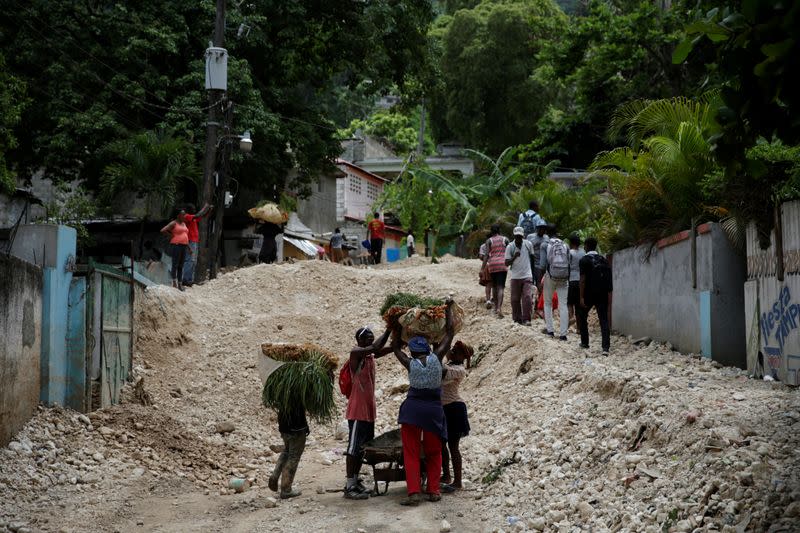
column 410, row 240
column 521, row 267
column 575, row 257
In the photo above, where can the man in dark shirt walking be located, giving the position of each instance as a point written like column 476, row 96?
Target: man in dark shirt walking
column 596, row 288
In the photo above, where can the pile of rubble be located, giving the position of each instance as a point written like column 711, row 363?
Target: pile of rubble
column 644, row 440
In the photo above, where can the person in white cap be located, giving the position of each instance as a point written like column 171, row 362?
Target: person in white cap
column 518, row 260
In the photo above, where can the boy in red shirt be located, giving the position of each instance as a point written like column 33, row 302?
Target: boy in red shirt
column 376, row 235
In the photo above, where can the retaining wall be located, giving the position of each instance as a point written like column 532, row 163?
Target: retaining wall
column 655, row 297
column 20, row 343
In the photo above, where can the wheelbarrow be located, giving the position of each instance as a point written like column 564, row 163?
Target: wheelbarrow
column 385, row 455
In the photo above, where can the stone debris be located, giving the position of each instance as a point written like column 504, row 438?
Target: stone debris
column 646, row 439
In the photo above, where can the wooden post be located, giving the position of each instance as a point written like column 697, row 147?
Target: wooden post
column 778, row 243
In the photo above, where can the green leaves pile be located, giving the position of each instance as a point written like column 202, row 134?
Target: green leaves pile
column 406, row 299
column 307, row 383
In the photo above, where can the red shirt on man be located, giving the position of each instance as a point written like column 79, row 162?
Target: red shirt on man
column 376, row 228
column 191, row 223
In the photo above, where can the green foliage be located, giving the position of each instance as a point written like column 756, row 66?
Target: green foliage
column 488, row 96
column 657, row 180
column 12, row 102
column 601, row 60
column 307, row 383
column 101, row 73
column 399, row 129
column 72, row 208
column 425, row 201
column 406, row 299
column 152, row 164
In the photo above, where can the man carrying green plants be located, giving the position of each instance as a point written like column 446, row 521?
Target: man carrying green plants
column 293, row 427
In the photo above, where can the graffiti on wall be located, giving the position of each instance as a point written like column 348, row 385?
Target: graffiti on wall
column 777, row 324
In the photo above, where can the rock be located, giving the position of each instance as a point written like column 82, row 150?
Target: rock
column 444, row 527
column 99, row 457
column 745, row 478
column 555, row 516
column 361, row 530
column 138, row 472
column 83, row 419
column 15, row 526
column 586, row 511
column 739, row 397
column 270, row 503
column 692, row 416
column 792, row 510
column 224, row 427
column 342, row 430
column 683, row 526
column 106, row 431
column 176, row 392
column 139, row 426
column 321, row 490
column 537, row 523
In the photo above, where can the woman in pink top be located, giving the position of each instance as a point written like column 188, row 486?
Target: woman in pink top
column 495, row 261
column 178, row 247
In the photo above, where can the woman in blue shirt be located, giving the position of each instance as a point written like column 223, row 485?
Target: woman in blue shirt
column 421, row 419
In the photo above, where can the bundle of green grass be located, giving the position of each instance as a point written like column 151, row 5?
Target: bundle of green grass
column 305, row 378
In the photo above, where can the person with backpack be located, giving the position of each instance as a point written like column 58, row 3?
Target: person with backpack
column 574, row 292
column 596, row 288
column 495, row 262
column 556, row 280
column 518, row 259
column 357, row 383
column 529, row 219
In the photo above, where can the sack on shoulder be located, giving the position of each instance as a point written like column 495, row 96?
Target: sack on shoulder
column 484, row 277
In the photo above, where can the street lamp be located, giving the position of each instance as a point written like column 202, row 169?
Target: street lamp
column 245, row 142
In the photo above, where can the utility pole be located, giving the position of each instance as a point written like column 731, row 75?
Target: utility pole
column 210, row 161
column 421, row 138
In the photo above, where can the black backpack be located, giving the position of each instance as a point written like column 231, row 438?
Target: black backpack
column 599, row 280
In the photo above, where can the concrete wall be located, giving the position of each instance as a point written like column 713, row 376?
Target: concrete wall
column 318, row 211
column 654, row 297
column 20, row 343
column 53, row 248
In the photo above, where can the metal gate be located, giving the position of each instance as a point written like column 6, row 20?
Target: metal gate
column 110, row 298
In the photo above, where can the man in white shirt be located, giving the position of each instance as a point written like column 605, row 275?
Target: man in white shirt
column 518, row 260
column 574, row 291
column 410, row 244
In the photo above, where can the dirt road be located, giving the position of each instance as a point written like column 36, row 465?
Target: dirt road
column 563, row 439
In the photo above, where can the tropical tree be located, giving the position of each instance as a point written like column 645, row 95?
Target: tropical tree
column 151, row 164
column 12, row 102
column 657, row 180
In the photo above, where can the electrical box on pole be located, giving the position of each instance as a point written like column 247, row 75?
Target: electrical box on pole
column 216, row 69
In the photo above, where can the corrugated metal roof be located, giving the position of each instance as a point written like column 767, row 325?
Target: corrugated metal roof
column 307, row 247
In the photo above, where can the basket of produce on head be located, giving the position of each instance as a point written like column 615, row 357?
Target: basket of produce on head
column 269, row 212
column 305, row 378
column 411, row 315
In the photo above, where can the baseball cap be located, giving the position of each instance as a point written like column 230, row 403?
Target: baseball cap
column 519, row 231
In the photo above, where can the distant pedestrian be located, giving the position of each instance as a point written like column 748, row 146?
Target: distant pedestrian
column 536, row 239
column 596, row 288
column 410, row 244
column 178, row 246
column 556, row 280
column 377, row 231
column 518, row 259
column 529, row 219
column 337, row 240
column 495, row 261
column 269, row 248
column 574, row 292
column 484, row 277
column 190, row 263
